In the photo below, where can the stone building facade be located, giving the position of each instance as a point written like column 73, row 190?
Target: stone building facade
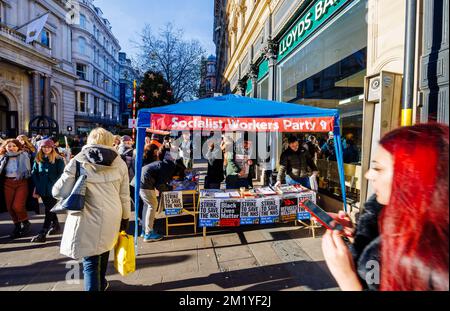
column 47, row 77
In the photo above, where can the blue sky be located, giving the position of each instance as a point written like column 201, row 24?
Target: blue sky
column 127, row 18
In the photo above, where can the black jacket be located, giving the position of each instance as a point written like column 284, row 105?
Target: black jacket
column 215, row 165
column 295, row 164
column 366, row 245
column 157, row 175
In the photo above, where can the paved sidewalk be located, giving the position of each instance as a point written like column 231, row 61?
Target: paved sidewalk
column 275, row 257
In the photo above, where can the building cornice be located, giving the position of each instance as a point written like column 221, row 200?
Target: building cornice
column 49, row 60
column 101, row 22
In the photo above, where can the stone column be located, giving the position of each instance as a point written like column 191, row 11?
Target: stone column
column 253, row 75
column 241, row 86
column 270, row 53
column 47, row 104
column 37, row 109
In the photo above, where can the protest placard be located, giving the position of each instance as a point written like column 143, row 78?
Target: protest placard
column 302, row 213
column 269, row 210
column 230, row 211
column 173, row 203
column 288, row 208
column 249, row 212
column 209, row 213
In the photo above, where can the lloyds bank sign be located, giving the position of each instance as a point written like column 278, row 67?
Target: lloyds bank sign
column 310, row 21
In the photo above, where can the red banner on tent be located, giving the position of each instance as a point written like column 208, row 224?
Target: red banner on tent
column 181, row 123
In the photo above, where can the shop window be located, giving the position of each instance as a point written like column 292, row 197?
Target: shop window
column 328, row 71
column 263, row 88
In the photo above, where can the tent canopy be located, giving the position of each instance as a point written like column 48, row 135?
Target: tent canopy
column 236, row 106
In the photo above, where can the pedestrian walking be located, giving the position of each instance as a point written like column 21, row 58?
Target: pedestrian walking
column 127, row 153
column 27, row 145
column 404, row 244
column 47, row 168
column 15, row 170
column 92, row 233
column 32, row 203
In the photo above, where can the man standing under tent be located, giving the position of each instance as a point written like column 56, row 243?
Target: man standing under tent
column 294, row 163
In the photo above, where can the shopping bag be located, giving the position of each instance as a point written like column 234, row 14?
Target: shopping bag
column 124, row 256
column 313, row 183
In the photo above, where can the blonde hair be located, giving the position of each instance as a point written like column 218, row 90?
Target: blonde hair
column 100, row 136
column 27, row 142
column 51, row 157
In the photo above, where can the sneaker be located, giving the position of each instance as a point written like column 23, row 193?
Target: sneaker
column 40, row 238
column 55, row 230
column 26, row 228
column 106, row 286
column 152, row 237
column 16, row 232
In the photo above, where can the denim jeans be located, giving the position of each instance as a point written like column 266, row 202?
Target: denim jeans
column 51, row 219
column 94, row 271
column 304, row 181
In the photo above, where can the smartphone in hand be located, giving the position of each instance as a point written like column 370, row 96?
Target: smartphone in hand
column 326, row 220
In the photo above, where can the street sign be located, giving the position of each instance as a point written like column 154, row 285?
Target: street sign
column 131, row 123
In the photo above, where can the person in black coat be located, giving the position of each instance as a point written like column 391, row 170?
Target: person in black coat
column 155, row 176
column 214, row 175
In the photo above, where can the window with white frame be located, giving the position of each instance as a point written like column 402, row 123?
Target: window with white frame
column 83, row 21
column 82, row 101
column 2, row 13
column 82, row 71
column 45, row 38
column 82, row 45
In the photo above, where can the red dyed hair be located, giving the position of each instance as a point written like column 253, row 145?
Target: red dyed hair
column 414, row 225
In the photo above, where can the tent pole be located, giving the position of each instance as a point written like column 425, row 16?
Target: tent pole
column 339, row 159
column 141, row 132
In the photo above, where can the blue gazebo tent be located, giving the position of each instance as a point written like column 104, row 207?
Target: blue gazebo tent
column 228, row 109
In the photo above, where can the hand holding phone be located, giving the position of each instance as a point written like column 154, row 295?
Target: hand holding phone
column 326, row 220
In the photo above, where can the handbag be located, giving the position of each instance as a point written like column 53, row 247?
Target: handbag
column 124, row 255
column 75, row 201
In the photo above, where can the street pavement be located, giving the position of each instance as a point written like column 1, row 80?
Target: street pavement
column 256, row 258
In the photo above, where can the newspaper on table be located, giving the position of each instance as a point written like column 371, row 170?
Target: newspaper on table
column 266, row 191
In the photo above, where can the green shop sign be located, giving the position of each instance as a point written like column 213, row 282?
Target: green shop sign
column 248, row 89
column 263, row 69
column 309, row 22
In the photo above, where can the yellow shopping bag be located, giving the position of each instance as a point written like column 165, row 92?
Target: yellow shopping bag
column 124, row 256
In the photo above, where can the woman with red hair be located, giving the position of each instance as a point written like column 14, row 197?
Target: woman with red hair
column 409, row 174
